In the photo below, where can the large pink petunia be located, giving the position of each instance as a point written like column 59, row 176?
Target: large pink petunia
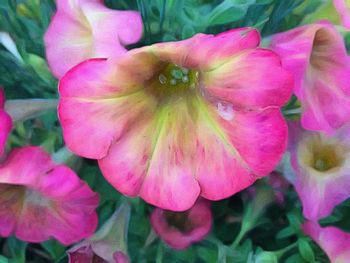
column 83, row 29
column 321, row 174
column 173, row 121
column 40, row 200
column 334, row 241
column 317, row 57
column 5, row 123
column 343, row 8
column 180, row 229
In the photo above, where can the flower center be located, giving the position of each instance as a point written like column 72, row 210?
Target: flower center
column 179, row 220
column 173, row 81
column 326, row 158
column 12, row 194
column 321, row 54
column 16, row 196
column 322, row 154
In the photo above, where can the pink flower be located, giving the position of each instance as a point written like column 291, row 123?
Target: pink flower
column 343, row 8
column 317, row 57
column 173, row 121
column 320, row 164
column 180, row 229
column 334, row 242
column 40, row 200
column 83, row 29
column 108, row 244
column 5, row 123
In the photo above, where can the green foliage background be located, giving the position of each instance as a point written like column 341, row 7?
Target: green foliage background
column 241, row 232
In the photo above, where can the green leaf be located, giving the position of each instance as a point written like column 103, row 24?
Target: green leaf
column 295, row 259
column 40, row 67
column 55, row 249
column 263, row 2
column 228, row 11
column 266, row 257
column 241, row 253
column 17, row 250
column 207, row 254
column 187, row 32
column 285, row 232
column 305, row 250
column 3, row 259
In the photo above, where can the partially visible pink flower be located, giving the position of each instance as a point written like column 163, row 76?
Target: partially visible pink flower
column 5, row 123
column 317, row 57
column 334, row 242
column 108, row 244
column 40, row 200
column 180, row 229
column 321, row 167
column 173, row 121
column 343, row 8
column 83, row 29
column 279, row 185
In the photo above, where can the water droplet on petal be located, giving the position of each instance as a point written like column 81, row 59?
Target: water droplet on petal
column 173, row 82
column 162, row 79
column 185, row 79
column 225, row 111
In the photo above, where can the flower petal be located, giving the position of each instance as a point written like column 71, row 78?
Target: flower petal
column 343, row 8
column 171, row 159
column 42, row 200
column 202, row 52
column 108, row 244
column 337, row 112
column 253, row 78
column 316, row 55
column 319, row 196
column 126, row 24
column 231, row 143
column 83, row 254
column 5, row 128
column 199, row 217
column 87, row 29
column 5, row 123
column 152, row 161
column 93, row 109
column 266, row 130
column 319, row 191
column 231, row 42
column 334, row 242
column 67, row 42
column 182, row 144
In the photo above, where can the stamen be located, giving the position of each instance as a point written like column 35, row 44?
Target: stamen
column 162, row 79
column 173, row 81
column 176, row 73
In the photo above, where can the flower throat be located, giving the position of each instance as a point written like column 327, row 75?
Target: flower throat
column 173, row 81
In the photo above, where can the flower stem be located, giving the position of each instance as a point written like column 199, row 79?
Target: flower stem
column 282, row 251
column 244, row 229
column 292, row 111
column 64, row 156
column 24, row 109
column 159, row 257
